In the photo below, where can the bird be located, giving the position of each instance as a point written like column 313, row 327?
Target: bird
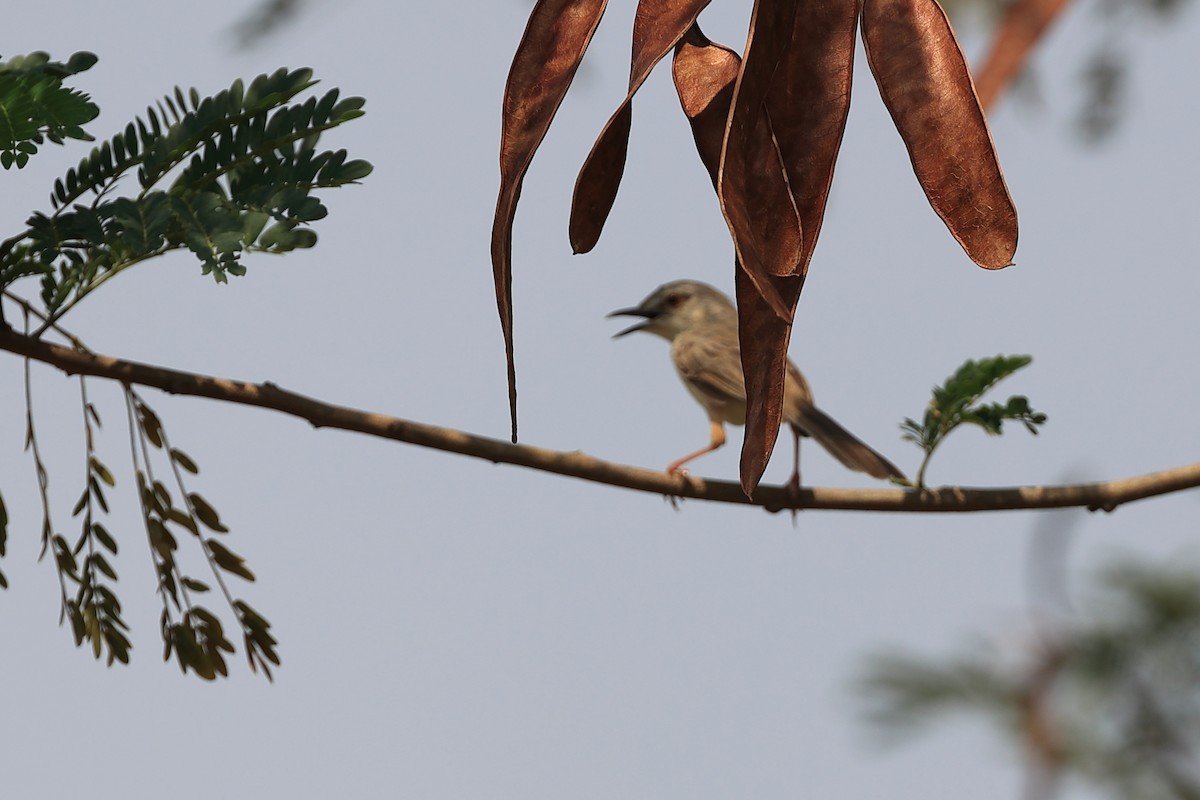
column 701, row 323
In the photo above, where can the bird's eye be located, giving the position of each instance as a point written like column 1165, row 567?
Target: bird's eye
column 673, row 300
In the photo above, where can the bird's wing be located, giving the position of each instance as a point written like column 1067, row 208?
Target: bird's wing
column 710, row 363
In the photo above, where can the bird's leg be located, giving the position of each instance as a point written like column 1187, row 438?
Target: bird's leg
column 793, row 484
column 717, row 433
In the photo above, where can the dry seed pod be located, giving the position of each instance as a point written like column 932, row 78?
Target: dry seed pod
column 657, row 27
column 764, row 341
column 555, row 40
column 752, row 184
column 925, row 84
column 808, row 102
column 705, row 73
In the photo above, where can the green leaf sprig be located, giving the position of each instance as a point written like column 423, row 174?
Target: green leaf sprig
column 956, row 404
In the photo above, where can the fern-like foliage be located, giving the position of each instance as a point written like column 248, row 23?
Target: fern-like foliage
column 956, row 403
column 35, row 106
column 219, row 176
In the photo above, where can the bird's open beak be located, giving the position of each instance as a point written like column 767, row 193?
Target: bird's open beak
column 634, row 312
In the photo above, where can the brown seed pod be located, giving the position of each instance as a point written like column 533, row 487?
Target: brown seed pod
column 705, row 73
column 925, row 84
column 657, row 27
column 808, row 102
column 752, row 184
column 555, row 40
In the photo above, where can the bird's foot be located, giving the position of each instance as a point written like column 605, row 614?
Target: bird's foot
column 792, row 491
column 792, row 487
column 675, row 471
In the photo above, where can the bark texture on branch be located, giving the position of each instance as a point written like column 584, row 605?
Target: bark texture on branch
column 1106, row 495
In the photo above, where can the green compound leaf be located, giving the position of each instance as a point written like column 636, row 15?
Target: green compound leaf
column 35, row 106
column 219, row 176
column 953, row 405
column 228, row 560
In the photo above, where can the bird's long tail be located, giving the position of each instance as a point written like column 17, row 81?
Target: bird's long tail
column 845, row 446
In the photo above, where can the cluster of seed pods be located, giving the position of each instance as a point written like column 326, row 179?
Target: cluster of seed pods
column 768, row 125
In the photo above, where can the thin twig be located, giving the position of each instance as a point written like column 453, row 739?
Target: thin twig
column 1106, row 495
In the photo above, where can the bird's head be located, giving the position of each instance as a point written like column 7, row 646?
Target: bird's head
column 679, row 306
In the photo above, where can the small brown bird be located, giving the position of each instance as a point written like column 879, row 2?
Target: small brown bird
column 702, row 326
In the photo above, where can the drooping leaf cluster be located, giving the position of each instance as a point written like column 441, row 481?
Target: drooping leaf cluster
column 35, row 106
column 1107, row 695
column 219, row 176
column 190, row 631
column 768, row 126
column 94, row 612
column 956, row 404
column 86, row 577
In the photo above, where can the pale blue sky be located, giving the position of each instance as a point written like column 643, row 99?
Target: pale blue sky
column 454, row 629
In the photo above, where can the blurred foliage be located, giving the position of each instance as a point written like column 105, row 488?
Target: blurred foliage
column 36, row 107
column 956, row 404
column 1109, row 696
column 1104, row 71
column 266, row 18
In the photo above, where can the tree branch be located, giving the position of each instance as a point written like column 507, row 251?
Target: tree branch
column 1106, row 495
